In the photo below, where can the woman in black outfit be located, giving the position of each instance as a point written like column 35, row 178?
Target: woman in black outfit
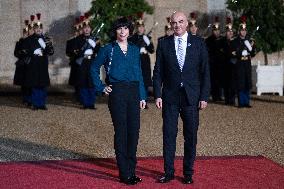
column 126, row 93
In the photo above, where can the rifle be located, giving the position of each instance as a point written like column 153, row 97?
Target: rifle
column 93, row 36
column 253, row 33
column 97, row 29
column 205, row 31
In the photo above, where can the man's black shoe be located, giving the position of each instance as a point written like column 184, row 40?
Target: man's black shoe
column 137, row 179
column 166, row 178
column 187, row 180
column 248, row 106
column 128, row 181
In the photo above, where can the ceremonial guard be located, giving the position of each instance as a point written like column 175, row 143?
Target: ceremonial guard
column 70, row 47
column 243, row 51
column 168, row 29
column 192, row 24
column 39, row 47
column 215, row 56
column 143, row 41
column 20, row 70
column 85, row 48
column 229, row 64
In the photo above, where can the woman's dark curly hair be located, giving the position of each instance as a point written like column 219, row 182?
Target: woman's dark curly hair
column 121, row 22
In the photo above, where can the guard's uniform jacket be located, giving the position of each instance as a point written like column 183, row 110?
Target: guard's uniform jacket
column 83, row 62
column 37, row 69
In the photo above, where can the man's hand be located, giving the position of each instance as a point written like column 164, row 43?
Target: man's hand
column 159, row 103
column 142, row 104
column 202, row 105
column 107, row 89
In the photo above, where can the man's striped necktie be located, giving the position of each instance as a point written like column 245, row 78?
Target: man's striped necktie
column 180, row 53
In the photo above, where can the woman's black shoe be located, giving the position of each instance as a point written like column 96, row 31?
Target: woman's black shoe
column 128, row 181
column 137, row 179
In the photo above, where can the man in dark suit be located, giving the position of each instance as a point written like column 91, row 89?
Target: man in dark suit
column 182, row 69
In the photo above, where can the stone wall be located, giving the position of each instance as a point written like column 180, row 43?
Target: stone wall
column 10, row 28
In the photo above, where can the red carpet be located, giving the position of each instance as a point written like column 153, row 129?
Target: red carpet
column 211, row 172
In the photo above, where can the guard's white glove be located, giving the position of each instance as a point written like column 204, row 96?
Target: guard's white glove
column 107, row 89
column 88, row 52
column 38, row 52
column 42, row 43
column 248, row 45
column 92, row 43
column 244, row 53
column 142, row 104
column 146, row 40
column 143, row 50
